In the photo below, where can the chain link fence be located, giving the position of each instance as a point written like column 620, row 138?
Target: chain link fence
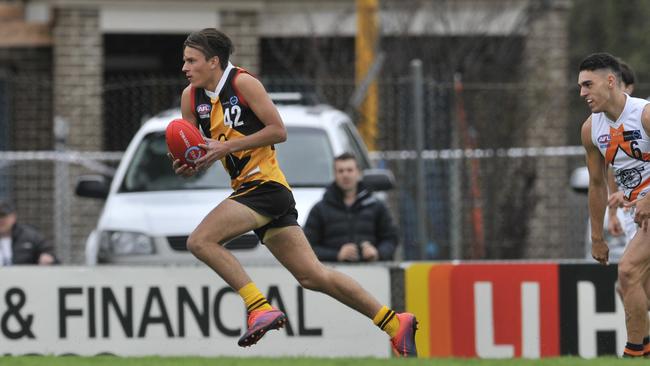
column 482, row 196
column 130, row 100
column 498, row 218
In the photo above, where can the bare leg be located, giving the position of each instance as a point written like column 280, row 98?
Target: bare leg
column 226, row 221
column 290, row 246
column 633, row 275
column 646, row 287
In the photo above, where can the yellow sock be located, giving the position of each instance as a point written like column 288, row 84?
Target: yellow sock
column 386, row 321
column 253, row 298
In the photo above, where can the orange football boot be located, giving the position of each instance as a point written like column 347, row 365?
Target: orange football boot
column 404, row 341
column 260, row 322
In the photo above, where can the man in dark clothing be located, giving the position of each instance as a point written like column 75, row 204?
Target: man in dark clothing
column 20, row 243
column 350, row 224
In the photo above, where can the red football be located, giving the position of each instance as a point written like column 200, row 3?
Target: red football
column 183, row 139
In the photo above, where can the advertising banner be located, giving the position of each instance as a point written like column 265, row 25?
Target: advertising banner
column 592, row 319
column 176, row 311
column 515, row 309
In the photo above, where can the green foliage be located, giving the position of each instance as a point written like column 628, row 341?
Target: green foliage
column 618, row 27
column 614, row 26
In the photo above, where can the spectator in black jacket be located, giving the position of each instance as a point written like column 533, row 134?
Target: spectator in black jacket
column 350, row 224
column 21, row 243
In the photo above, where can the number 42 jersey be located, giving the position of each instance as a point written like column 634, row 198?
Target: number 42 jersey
column 224, row 115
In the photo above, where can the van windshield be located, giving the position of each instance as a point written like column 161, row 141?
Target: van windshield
column 305, row 158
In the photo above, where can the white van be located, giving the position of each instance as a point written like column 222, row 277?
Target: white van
column 150, row 212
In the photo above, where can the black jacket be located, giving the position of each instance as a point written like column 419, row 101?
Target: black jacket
column 331, row 224
column 27, row 244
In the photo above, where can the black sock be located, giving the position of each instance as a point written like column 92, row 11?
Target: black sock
column 633, row 350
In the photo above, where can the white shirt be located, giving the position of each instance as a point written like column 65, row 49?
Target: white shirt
column 625, row 146
column 5, row 251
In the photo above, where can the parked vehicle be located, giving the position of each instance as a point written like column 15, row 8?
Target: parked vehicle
column 149, row 211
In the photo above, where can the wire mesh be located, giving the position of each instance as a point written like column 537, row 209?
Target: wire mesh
column 506, row 177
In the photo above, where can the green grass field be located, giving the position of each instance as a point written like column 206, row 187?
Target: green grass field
column 225, row 361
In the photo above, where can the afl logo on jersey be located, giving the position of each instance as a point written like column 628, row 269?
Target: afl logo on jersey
column 603, row 141
column 234, row 100
column 203, row 110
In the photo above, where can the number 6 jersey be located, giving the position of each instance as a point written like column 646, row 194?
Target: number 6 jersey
column 225, row 115
column 625, row 146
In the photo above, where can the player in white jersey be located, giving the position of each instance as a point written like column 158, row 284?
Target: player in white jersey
column 616, row 134
column 616, row 200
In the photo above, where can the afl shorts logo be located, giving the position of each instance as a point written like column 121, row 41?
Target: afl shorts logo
column 234, row 100
column 603, row 140
column 203, row 110
column 632, row 135
column 193, row 153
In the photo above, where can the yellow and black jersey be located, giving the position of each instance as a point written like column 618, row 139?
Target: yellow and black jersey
column 225, row 115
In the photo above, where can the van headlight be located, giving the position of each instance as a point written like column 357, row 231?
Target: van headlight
column 126, row 243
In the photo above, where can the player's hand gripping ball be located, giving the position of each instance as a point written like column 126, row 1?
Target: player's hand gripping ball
column 183, row 139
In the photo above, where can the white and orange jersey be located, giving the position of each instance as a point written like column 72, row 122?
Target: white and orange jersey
column 626, row 147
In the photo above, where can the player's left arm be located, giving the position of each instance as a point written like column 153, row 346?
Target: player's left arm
column 642, row 211
column 273, row 132
column 645, row 119
column 259, row 101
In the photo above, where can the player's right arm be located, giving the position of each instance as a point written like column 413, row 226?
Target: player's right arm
column 187, row 109
column 597, row 194
column 611, row 182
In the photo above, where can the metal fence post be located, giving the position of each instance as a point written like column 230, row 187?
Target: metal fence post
column 418, row 114
column 455, row 195
column 62, row 192
column 4, row 133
